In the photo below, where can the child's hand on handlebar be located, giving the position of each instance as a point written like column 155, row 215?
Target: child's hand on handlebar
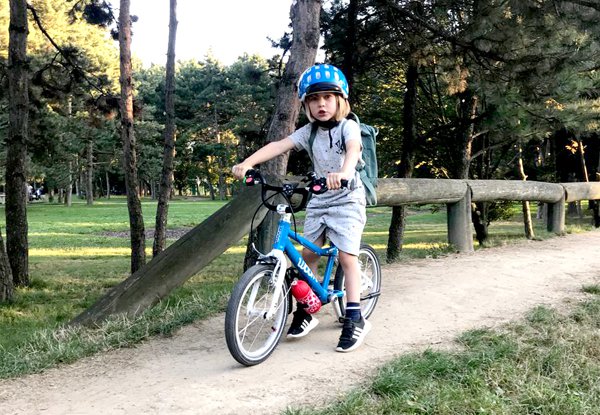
column 239, row 170
column 336, row 181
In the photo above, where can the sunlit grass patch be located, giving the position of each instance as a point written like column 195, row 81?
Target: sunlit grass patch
column 79, row 252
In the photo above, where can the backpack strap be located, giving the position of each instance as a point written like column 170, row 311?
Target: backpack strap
column 311, row 140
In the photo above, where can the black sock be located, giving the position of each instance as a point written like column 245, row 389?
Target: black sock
column 353, row 311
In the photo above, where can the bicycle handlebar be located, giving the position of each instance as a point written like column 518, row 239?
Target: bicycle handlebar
column 316, row 185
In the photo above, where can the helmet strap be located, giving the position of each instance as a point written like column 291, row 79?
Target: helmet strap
column 329, row 124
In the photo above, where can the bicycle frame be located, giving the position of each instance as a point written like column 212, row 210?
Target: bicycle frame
column 283, row 244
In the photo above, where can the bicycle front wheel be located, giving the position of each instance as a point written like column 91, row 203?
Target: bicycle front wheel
column 370, row 282
column 250, row 334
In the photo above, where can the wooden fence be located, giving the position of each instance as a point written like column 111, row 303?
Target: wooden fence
column 458, row 195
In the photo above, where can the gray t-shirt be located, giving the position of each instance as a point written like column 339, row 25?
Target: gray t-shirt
column 340, row 214
column 328, row 157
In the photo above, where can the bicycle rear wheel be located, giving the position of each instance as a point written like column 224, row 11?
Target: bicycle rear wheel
column 370, row 282
column 250, row 336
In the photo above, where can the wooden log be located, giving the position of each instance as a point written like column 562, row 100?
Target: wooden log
column 460, row 233
column 581, row 191
column 493, row 190
column 179, row 261
column 556, row 217
column 395, row 192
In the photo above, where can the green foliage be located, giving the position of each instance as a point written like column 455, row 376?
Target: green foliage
column 69, row 83
column 528, row 67
column 221, row 112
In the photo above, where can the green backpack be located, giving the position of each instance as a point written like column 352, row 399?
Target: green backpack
column 368, row 170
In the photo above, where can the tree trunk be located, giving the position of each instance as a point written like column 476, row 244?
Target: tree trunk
column 166, row 177
column 527, row 222
column 396, row 233
column 107, row 180
column 350, row 54
column 76, row 174
column 69, row 190
column 467, row 112
column 136, row 220
column 16, row 145
column 89, row 173
column 405, row 169
column 6, row 278
column 479, row 217
column 480, row 210
column 305, row 16
column 593, row 204
column 222, row 187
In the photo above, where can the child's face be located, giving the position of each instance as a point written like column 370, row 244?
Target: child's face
column 323, row 106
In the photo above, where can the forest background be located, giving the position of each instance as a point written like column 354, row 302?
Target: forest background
column 458, row 89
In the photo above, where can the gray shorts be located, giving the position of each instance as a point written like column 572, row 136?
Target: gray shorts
column 343, row 225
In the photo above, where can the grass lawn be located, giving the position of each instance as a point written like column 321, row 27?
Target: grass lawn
column 77, row 253
column 547, row 364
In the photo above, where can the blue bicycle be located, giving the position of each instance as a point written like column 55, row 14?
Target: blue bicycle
column 261, row 300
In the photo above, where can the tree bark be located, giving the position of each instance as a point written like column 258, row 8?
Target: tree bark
column 405, row 169
column 89, row 173
column 527, row 222
column 107, row 180
column 479, row 217
column 166, row 177
column 16, row 145
column 69, row 189
column 136, row 220
column 305, row 26
column 6, row 278
column 350, row 54
column 480, row 210
column 592, row 204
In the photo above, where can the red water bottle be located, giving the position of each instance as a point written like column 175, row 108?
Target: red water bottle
column 304, row 295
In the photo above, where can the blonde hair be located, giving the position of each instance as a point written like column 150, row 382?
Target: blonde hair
column 343, row 109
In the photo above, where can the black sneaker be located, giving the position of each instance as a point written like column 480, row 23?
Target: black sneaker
column 353, row 334
column 302, row 323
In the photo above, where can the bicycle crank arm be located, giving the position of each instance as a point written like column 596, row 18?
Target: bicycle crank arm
column 371, row 295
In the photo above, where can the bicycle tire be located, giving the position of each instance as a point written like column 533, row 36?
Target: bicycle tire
column 370, row 272
column 251, row 338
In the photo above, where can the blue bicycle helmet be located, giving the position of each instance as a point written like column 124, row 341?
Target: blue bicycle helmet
column 322, row 78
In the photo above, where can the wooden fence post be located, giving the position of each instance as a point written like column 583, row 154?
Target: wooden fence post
column 556, row 217
column 460, row 233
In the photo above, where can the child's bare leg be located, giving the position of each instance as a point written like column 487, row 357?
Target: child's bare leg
column 352, row 272
column 312, row 259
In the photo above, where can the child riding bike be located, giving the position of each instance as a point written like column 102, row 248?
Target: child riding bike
column 339, row 214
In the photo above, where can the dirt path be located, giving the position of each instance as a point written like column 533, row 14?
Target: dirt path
column 424, row 304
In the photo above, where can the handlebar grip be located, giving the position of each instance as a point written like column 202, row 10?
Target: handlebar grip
column 319, row 186
column 252, row 177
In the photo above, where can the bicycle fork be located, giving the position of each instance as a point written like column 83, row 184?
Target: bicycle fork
column 277, row 281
